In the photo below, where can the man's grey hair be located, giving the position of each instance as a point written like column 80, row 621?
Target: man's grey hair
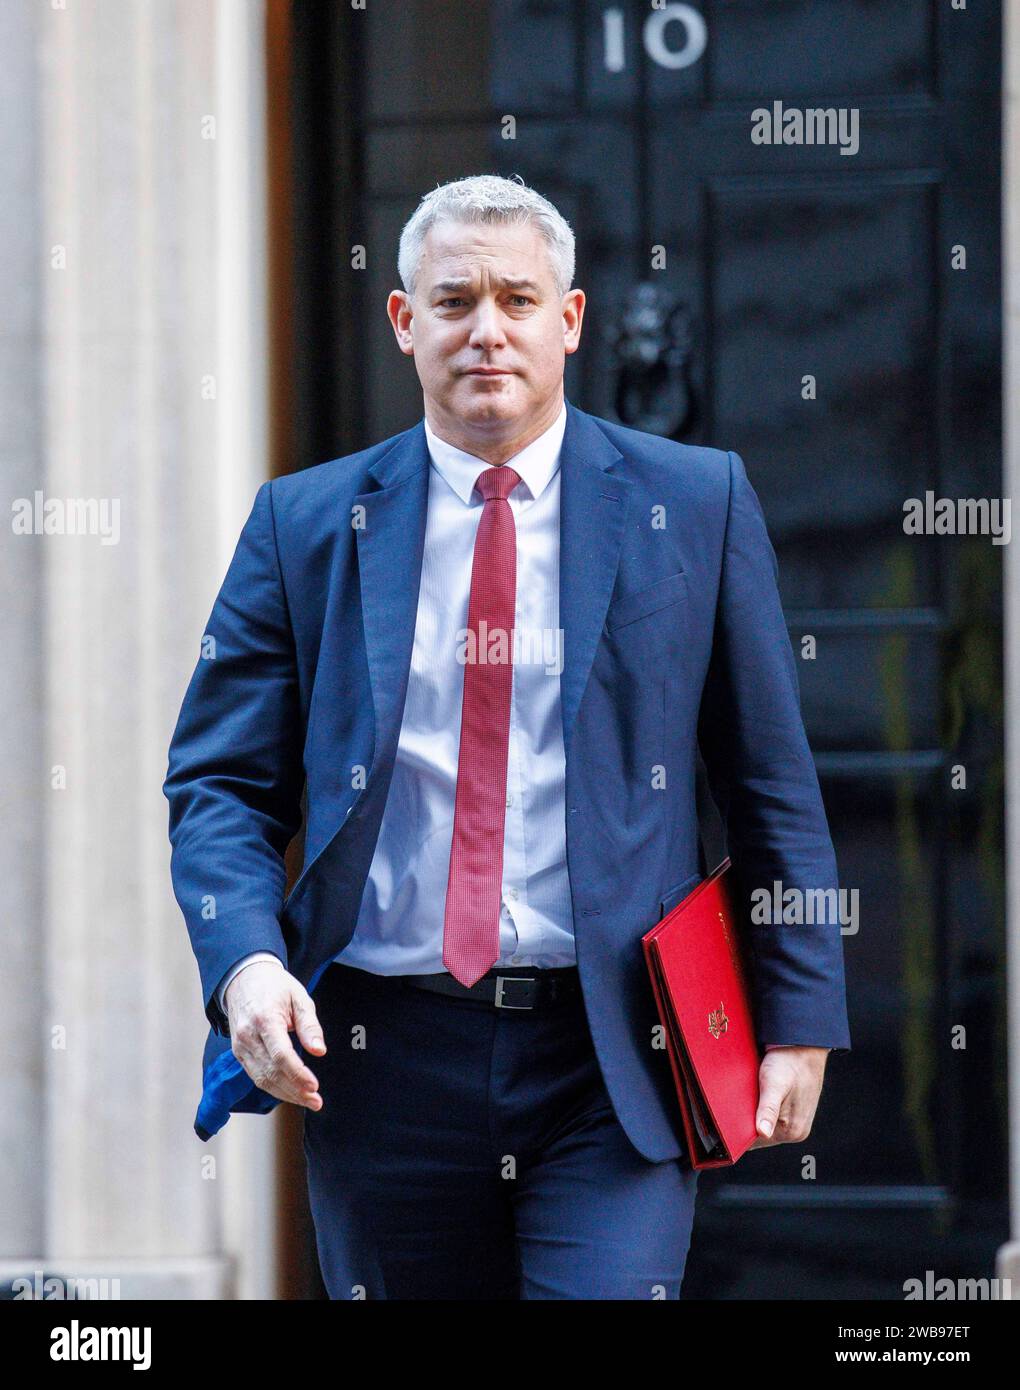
column 487, row 198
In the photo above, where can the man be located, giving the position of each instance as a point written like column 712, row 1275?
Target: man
column 492, row 646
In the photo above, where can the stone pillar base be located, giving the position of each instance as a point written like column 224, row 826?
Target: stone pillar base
column 1007, row 1266
column 111, row 1279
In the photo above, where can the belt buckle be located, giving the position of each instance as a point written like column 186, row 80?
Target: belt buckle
column 502, row 981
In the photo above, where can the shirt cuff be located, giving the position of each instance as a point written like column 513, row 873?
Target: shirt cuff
column 236, row 969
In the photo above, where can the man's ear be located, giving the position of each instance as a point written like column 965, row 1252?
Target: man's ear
column 400, row 314
column 573, row 315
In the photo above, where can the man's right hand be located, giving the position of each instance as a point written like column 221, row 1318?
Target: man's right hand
column 265, row 1003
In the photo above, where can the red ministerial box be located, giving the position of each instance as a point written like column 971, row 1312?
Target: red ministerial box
column 698, row 967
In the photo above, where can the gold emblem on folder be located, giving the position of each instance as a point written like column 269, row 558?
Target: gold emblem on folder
column 717, row 1021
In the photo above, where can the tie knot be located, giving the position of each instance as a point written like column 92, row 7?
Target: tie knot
column 497, row 482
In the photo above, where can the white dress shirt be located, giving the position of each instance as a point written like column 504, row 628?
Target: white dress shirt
column 399, row 930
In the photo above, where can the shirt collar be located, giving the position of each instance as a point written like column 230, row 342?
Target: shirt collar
column 536, row 463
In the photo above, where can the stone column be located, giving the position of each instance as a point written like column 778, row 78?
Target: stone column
column 138, row 356
column 1008, row 1262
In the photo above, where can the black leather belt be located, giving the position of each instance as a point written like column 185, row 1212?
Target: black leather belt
column 530, row 989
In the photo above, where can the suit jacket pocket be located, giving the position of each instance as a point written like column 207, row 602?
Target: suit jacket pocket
column 653, row 597
column 676, row 895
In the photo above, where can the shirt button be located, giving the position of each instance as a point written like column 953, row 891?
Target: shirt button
column 513, row 893
column 510, row 801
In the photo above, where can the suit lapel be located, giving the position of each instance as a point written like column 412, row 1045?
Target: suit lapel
column 593, row 507
column 390, row 548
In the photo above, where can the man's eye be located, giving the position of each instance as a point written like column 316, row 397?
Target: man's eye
column 443, row 303
column 521, row 298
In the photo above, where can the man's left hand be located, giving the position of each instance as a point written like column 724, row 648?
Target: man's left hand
column 789, row 1085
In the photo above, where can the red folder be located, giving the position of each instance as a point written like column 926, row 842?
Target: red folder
column 697, row 962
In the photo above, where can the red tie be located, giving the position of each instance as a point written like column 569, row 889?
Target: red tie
column 474, row 891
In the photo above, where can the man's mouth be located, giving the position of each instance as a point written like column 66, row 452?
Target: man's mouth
column 488, row 371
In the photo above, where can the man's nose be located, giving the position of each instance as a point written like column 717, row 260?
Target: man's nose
column 486, row 327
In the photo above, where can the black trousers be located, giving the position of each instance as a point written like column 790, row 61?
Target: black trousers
column 465, row 1152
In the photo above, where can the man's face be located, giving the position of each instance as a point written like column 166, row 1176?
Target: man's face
column 486, row 327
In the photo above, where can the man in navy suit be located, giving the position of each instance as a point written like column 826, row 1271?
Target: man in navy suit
column 488, row 649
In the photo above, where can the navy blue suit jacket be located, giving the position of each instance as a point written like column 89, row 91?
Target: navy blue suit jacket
column 674, row 638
